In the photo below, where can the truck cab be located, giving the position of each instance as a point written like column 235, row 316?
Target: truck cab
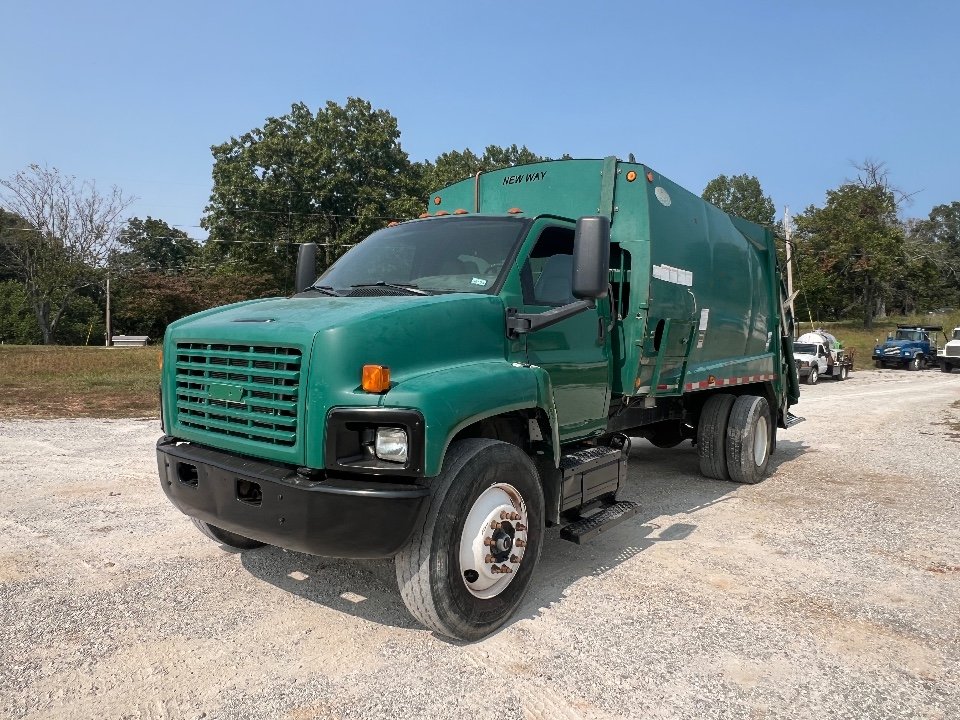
column 949, row 357
column 912, row 347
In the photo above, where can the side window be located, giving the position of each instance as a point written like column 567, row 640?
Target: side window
column 547, row 275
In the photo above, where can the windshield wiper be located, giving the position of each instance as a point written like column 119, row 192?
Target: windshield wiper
column 409, row 287
column 325, row 289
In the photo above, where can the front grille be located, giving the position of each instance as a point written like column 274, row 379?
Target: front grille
column 891, row 351
column 242, row 391
column 952, row 350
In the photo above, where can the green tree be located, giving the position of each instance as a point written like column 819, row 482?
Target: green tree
column 849, row 251
column 330, row 176
column 741, row 195
column 152, row 244
column 456, row 165
column 62, row 241
column 935, row 242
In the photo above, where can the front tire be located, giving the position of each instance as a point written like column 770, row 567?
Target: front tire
column 914, row 364
column 813, row 376
column 225, row 537
column 748, row 439
column 486, row 511
column 945, row 367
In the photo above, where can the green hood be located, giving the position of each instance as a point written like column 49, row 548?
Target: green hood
column 333, row 337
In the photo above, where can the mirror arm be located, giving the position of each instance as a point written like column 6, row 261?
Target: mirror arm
column 520, row 323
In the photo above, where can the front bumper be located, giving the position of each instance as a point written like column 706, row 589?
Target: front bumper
column 274, row 504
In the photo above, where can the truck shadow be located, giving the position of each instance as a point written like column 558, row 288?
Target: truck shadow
column 666, row 483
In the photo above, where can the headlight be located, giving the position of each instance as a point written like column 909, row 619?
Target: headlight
column 905, row 352
column 391, row 444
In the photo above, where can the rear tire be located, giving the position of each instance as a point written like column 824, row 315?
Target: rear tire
column 748, row 439
column 479, row 477
column 813, row 376
column 225, row 537
column 711, row 436
column 844, row 372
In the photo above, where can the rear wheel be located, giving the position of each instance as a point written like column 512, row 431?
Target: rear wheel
column 466, row 569
column 711, row 436
column 813, row 376
column 748, row 439
column 225, row 537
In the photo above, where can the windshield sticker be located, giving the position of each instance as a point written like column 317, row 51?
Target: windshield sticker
column 663, row 196
column 479, row 281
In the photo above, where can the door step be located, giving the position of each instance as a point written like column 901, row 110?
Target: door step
column 790, row 420
column 588, row 528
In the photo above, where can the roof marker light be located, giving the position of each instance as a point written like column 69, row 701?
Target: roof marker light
column 649, row 175
column 631, row 176
column 514, row 211
column 437, row 200
column 424, row 215
column 459, row 211
column 438, row 213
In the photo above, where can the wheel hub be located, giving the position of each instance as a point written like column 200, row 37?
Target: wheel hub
column 493, row 540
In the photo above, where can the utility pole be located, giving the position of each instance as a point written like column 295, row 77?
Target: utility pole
column 789, row 256
column 107, row 342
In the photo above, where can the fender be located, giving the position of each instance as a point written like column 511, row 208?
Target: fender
column 453, row 398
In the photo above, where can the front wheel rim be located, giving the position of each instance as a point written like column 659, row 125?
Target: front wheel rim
column 761, row 441
column 493, row 541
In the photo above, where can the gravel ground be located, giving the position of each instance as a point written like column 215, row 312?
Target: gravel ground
column 829, row 590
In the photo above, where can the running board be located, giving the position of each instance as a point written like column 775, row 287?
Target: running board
column 588, row 528
column 792, row 419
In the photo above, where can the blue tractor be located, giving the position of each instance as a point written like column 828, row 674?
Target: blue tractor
column 912, row 347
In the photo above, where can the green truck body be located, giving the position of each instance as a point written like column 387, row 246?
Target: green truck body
column 512, row 388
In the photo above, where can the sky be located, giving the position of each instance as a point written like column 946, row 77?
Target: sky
column 134, row 94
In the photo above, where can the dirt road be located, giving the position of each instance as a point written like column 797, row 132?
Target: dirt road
column 830, row 590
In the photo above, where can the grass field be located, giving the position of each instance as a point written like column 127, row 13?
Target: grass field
column 60, row 382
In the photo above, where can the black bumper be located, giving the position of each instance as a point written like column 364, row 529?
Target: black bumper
column 272, row 503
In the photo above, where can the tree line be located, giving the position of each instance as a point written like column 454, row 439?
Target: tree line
column 333, row 176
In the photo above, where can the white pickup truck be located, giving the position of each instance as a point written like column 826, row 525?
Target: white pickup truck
column 819, row 354
column 949, row 357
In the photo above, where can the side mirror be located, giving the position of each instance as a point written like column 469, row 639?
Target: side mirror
column 306, row 266
column 591, row 258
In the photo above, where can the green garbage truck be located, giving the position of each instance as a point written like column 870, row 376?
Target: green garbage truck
column 455, row 384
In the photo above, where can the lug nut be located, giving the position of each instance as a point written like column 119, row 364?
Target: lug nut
column 488, row 541
column 495, row 570
column 504, row 515
column 488, row 559
column 514, row 559
column 494, row 525
column 506, row 568
column 520, row 543
column 521, row 527
column 514, row 516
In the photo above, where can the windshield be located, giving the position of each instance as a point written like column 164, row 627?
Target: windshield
column 447, row 255
column 909, row 335
column 805, row 348
column 956, row 334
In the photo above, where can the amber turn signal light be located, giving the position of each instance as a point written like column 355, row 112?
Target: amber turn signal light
column 375, row 379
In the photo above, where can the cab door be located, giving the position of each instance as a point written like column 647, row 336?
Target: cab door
column 575, row 352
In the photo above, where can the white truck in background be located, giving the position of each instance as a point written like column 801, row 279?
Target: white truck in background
column 819, row 354
column 949, row 357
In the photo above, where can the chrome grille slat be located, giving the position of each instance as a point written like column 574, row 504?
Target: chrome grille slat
column 267, row 379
